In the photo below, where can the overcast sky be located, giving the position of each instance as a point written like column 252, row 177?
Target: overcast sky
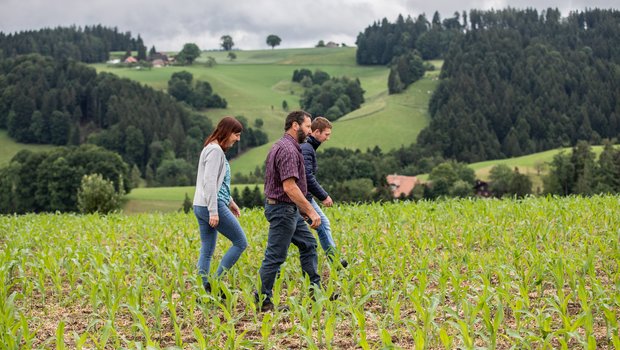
column 168, row 24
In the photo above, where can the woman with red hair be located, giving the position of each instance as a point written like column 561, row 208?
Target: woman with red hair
column 214, row 208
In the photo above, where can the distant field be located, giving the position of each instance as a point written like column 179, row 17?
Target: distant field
column 534, row 165
column 163, row 199
column 257, row 82
column 9, row 148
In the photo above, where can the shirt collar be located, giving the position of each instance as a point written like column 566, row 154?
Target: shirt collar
column 290, row 138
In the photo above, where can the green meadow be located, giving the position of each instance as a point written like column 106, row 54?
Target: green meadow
column 256, row 83
column 9, row 148
column 164, row 199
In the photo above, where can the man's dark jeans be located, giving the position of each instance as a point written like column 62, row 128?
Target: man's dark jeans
column 286, row 226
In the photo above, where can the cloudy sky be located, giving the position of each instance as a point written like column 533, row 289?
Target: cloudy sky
column 168, row 24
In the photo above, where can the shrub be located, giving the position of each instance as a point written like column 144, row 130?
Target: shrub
column 97, row 194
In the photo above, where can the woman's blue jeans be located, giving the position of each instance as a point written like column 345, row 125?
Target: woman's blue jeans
column 230, row 228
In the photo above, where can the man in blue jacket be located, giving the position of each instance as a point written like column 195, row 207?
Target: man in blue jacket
column 321, row 132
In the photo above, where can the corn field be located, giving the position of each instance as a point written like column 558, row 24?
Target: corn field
column 537, row 273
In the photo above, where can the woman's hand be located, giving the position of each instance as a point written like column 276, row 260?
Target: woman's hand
column 214, row 220
column 234, row 208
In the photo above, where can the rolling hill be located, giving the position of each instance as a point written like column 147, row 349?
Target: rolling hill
column 256, row 83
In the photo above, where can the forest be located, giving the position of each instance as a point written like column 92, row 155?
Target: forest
column 89, row 44
column 513, row 81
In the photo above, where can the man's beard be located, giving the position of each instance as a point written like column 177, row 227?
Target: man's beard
column 301, row 136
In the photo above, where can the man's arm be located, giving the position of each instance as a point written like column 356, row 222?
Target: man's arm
column 314, row 187
column 294, row 193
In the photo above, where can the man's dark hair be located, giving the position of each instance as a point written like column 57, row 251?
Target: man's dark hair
column 296, row 116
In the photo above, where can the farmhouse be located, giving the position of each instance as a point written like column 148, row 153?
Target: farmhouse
column 401, row 185
column 158, row 63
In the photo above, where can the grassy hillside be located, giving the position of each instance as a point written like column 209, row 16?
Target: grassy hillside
column 9, row 148
column 257, row 82
column 163, row 199
column 534, row 165
column 455, row 274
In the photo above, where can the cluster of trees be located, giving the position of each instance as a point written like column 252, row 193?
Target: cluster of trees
column 327, row 96
column 250, row 137
column 199, row 95
column 518, row 83
column 581, row 173
column 352, row 175
column 509, row 182
column 248, row 198
column 89, row 44
column 254, row 177
column 43, row 100
column 404, row 71
column 381, row 42
column 50, row 181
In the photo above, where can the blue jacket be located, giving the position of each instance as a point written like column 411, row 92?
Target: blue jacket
column 308, row 149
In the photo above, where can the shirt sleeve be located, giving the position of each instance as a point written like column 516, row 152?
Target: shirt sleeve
column 212, row 180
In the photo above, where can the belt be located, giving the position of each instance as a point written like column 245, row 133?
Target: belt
column 274, row 201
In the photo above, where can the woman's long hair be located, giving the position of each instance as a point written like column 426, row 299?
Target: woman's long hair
column 226, row 127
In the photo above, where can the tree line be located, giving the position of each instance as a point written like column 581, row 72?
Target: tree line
column 582, row 172
column 383, row 41
column 356, row 176
column 89, row 44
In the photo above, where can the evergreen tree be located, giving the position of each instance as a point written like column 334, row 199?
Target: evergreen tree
column 560, row 179
column 583, row 160
column 608, row 170
column 395, row 86
column 187, row 204
column 246, row 194
column 141, row 49
column 257, row 197
column 520, row 184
